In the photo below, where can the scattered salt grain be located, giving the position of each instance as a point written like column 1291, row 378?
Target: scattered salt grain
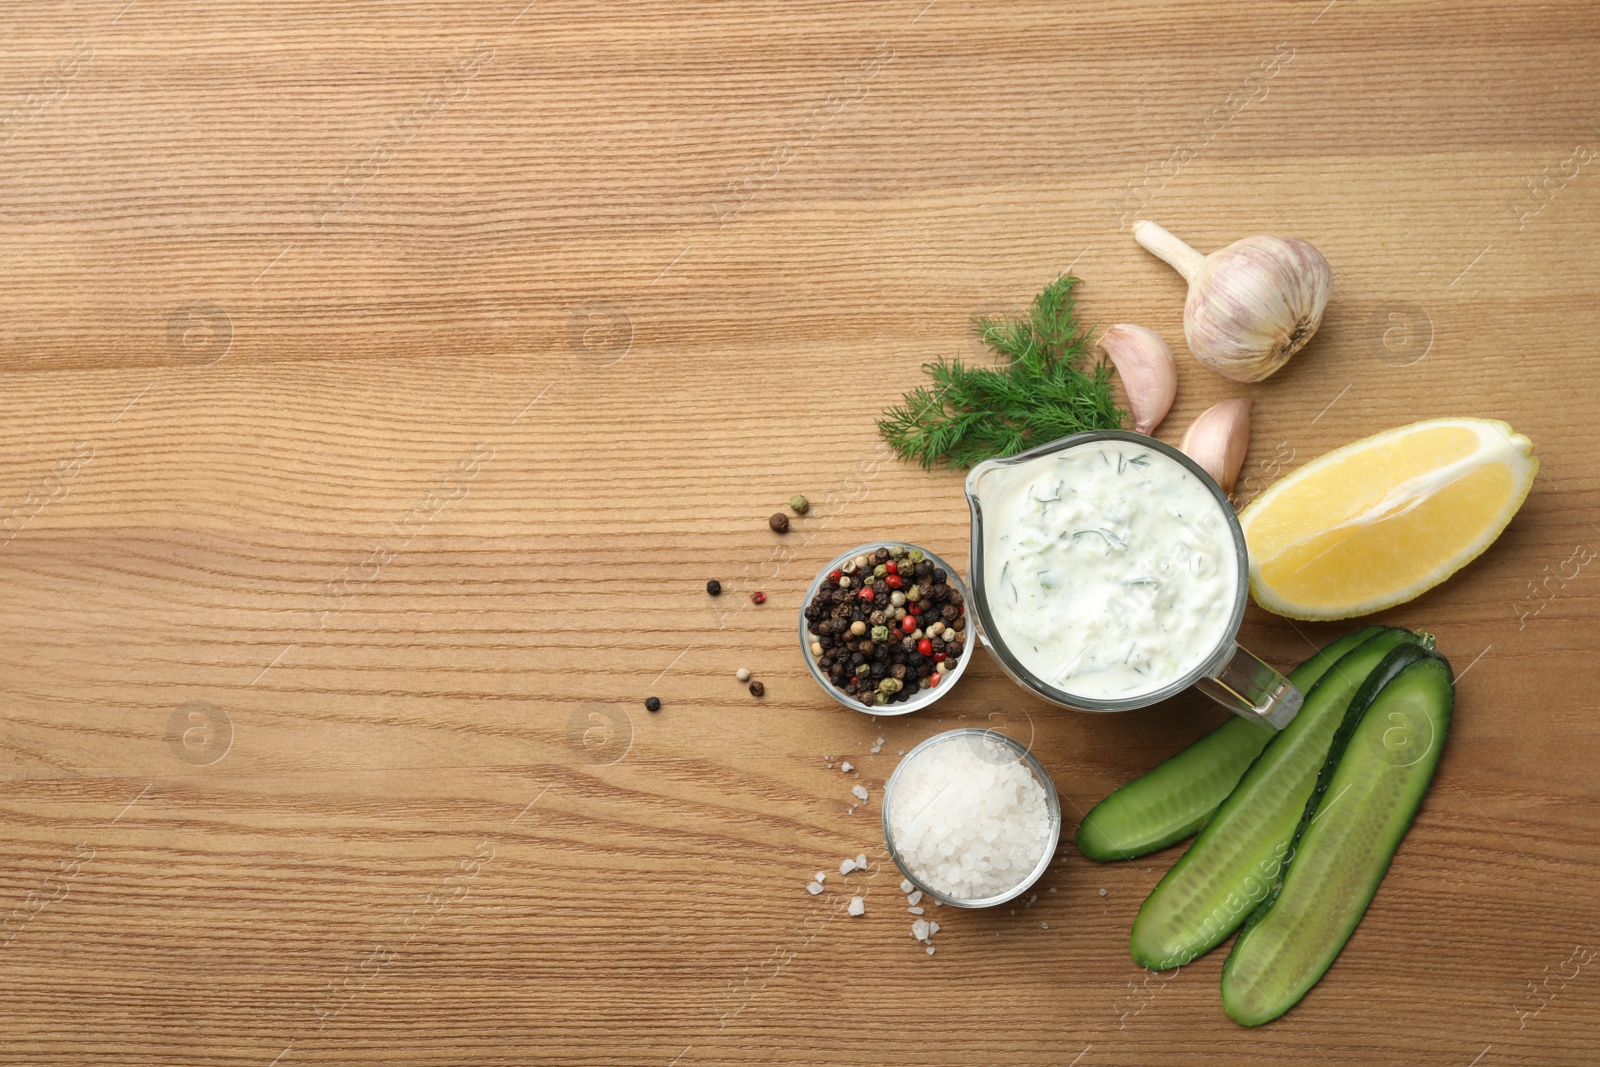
column 914, row 897
column 906, row 886
column 1044, row 926
column 860, row 792
column 861, row 861
column 814, row 888
column 858, row 906
column 919, row 929
column 847, row 866
column 930, row 950
column 821, row 877
column 933, row 928
column 969, row 819
column 916, row 911
column 1102, row 892
column 846, row 767
column 877, row 746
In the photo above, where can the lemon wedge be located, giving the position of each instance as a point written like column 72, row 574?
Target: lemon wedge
column 1383, row 520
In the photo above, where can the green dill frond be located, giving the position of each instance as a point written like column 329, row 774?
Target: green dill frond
column 1040, row 391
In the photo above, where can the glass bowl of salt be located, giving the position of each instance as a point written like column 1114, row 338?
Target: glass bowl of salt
column 971, row 818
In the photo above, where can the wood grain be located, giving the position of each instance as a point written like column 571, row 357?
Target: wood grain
column 384, row 381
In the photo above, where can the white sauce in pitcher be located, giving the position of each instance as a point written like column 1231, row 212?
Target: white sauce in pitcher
column 1109, row 569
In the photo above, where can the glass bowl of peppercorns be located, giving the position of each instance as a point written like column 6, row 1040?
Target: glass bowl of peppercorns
column 884, row 628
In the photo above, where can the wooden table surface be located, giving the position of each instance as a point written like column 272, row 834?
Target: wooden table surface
column 383, row 382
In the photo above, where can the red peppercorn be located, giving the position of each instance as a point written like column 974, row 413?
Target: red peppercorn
column 934, row 679
column 892, row 567
column 868, row 594
column 938, row 657
column 925, row 646
column 758, row 597
column 909, row 623
column 834, row 576
column 893, row 580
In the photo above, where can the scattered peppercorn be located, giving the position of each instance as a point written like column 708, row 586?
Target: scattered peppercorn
column 743, row 674
column 873, row 637
column 714, row 587
column 757, row 689
column 779, row 522
column 652, row 703
column 799, row 504
column 758, row 597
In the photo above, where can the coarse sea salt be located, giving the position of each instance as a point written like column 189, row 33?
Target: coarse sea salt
column 969, row 818
column 858, row 906
column 860, row 791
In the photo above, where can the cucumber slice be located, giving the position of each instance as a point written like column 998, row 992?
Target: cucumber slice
column 1227, row 871
column 1378, row 769
column 1173, row 800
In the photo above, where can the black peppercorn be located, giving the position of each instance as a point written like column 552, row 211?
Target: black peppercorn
column 779, row 522
column 652, row 703
column 714, row 587
column 757, row 689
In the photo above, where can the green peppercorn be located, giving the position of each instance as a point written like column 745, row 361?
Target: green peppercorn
column 799, row 504
column 880, row 633
column 915, row 555
column 914, row 593
column 880, row 571
column 880, row 698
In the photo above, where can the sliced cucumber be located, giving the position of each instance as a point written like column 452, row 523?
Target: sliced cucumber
column 1172, row 801
column 1378, row 769
column 1227, row 871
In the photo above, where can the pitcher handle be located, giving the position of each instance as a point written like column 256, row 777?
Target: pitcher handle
column 1248, row 687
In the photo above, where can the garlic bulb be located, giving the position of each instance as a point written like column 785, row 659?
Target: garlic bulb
column 1252, row 305
column 1149, row 375
column 1218, row 440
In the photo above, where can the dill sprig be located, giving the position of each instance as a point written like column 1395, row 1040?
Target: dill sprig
column 1039, row 393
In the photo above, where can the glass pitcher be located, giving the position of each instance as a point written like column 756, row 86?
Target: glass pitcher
column 1227, row 673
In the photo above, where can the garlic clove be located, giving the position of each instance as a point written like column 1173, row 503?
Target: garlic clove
column 1251, row 305
column 1219, row 439
column 1149, row 374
